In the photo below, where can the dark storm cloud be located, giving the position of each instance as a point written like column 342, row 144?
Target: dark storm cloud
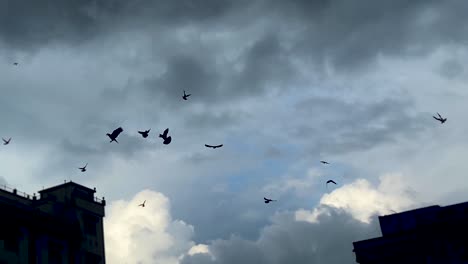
column 196, row 75
column 29, row 25
column 211, row 78
column 347, row 33
column 350, row 34
column 290, row 241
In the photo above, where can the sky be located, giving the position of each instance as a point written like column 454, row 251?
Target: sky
column 281, row 84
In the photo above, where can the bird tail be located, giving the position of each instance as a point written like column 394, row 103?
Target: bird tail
column 161, row 136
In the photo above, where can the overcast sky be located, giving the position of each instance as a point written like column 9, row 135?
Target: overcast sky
column 282, row 84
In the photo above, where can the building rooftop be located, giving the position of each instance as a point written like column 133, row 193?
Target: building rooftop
column 68, row 184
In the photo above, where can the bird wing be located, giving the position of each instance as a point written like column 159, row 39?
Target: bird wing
column 141, row 132
column 86, row 165
column 4, row 140
column 265, row 199
column 219, row 146
column 165, row 132
column 439, row 115
column 208, row 146
column 147, row 131
column 116, row 132
column 436, row 118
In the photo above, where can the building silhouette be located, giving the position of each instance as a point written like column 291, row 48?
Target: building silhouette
column 64, row 224
column 431, row 234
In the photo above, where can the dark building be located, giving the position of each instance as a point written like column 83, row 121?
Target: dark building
column 63, row 225
column 431, row 234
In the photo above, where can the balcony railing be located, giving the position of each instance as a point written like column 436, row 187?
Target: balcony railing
column 34, row 197
column 14, row 191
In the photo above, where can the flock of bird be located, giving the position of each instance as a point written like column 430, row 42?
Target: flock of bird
column 167, row 140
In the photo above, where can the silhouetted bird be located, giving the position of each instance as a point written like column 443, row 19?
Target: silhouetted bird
column 15, row 63
column 113, row 136
column 144, row 133
column 143, row 204
column 440, row 118
column 324, row 162
column 6, row 142
column 331, row 181
column 164, row 136
column 83, row 169
column 213, row 147
column 185, row 96
column 268, row 200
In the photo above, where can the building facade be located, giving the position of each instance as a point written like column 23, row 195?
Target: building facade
column 432, row 234
column 64, row 224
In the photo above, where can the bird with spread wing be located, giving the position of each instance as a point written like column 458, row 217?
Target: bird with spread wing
column 145, row 133
column 6, row 142
column 83, row 169
column 440, row 118
column 113, row 136
column 167, row 139
column 185, row 96
column 213, row 147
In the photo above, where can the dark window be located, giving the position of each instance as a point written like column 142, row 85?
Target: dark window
column 90, row 223
column 55, row 253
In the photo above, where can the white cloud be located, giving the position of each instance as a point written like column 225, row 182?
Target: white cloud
column 199, row 249
column 362, row 200
column 134, row 234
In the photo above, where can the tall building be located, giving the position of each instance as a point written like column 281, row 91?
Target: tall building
column 64, row 224
column 431, row 234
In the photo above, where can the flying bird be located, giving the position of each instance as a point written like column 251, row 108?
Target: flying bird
column 185, row 96
column 213, row 147
column 15, row 63
column 113, row 136
column 167, row 139
column 440, row 118
column 268, row 200
column 83, row 169
column 144, row 133
column 331, row 181
column 324, row 162
column 143, row 204
column 6, row 142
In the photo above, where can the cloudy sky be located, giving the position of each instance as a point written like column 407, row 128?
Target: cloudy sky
column 282, row 84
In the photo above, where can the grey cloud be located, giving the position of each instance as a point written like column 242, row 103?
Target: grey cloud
column 451, row 69
column 353, row 34
column 210, row 80
column 28, row 26
column 197, row 76
column 348, row 34
column 290, row 241
column 3, row 181
column 345, row 127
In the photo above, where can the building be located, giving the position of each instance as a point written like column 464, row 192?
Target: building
column 432, row 234
column 64, row 224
